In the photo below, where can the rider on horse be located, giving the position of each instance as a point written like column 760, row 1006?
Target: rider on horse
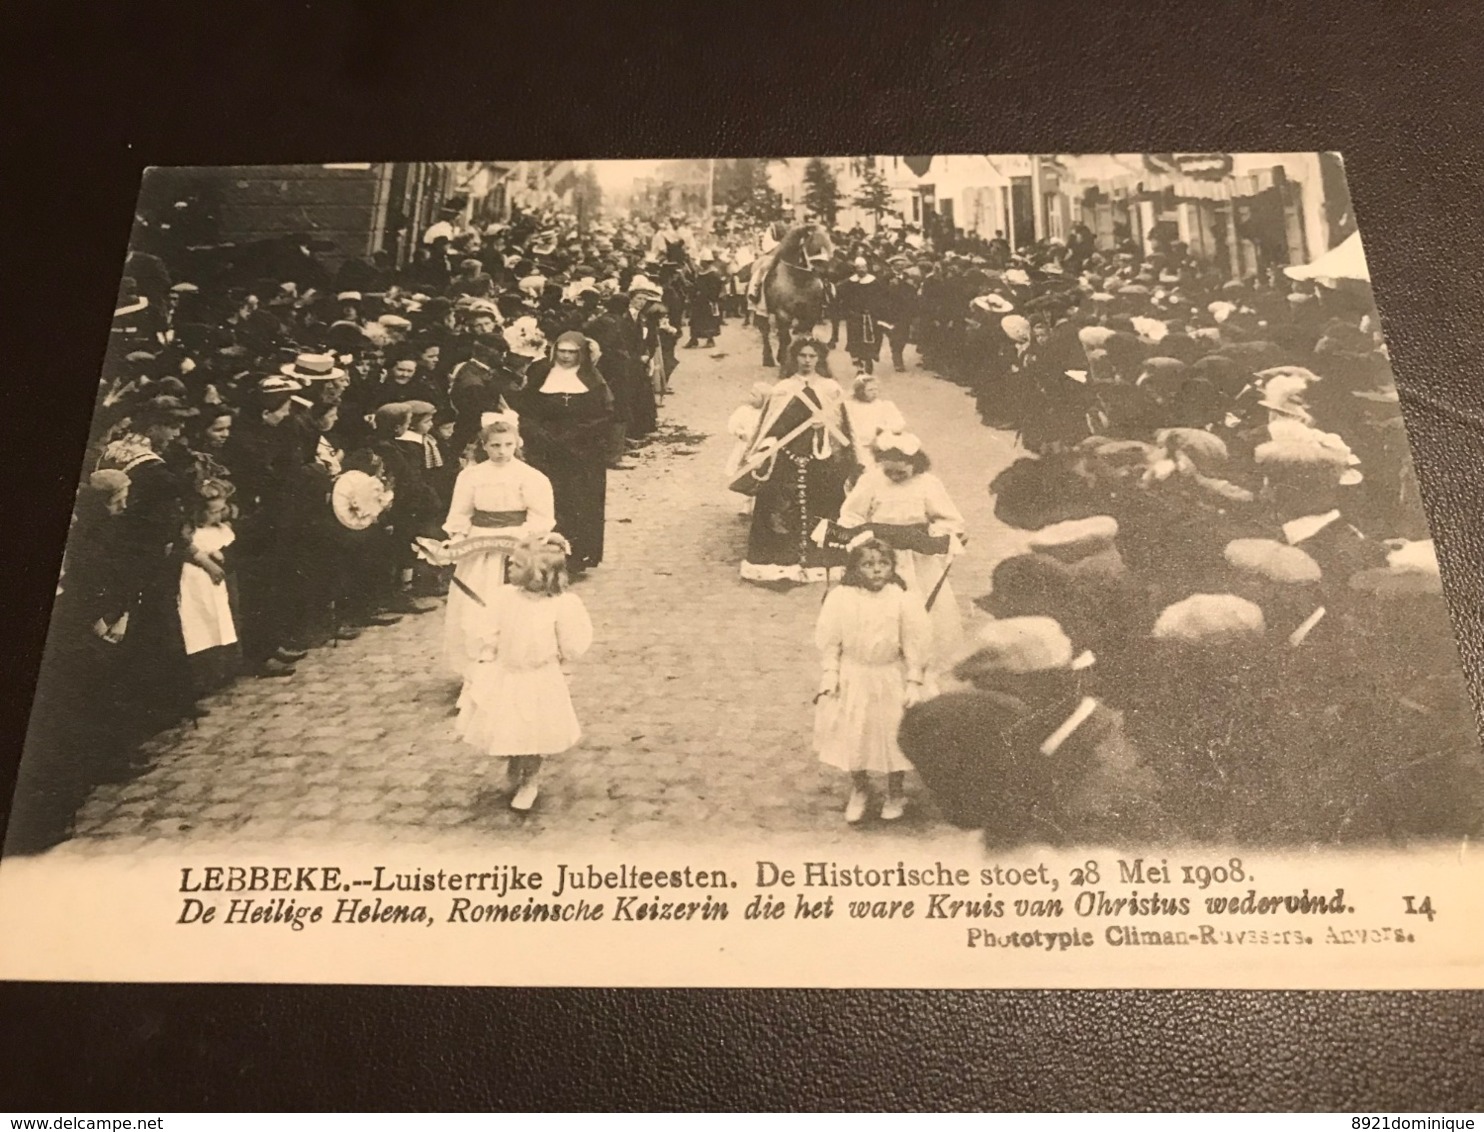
column 768, row 240
column 790, row 287
column 675, row 243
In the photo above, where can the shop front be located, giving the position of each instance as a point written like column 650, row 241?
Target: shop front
column 1242, row 223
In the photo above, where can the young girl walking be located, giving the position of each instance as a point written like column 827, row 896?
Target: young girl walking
column 515, row 703
column 875, row 638
column 905, row 504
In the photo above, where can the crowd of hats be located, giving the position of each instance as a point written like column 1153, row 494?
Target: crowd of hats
column 497, row 293
column 1217, row 502
column 281, row 376
column 1218, row 506
column 528, row 278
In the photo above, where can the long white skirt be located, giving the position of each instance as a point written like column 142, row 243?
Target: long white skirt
column 921, row 573
column 856, row 729
column 506, row 711
column 484, row 574
column 205, row 611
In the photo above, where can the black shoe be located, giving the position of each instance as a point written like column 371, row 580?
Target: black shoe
column 377, row 620
column 691, row 345
column 347, row 633
column 290, row 656
column 276, row 668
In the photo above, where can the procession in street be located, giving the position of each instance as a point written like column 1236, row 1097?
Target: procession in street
column 613, row 508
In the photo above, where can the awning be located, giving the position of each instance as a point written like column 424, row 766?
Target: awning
column 1344, row 261
column 1149, row 186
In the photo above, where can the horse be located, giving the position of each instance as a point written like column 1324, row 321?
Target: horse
column 794, row 287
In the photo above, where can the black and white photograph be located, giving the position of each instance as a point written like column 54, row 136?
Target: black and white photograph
column 1014, row 544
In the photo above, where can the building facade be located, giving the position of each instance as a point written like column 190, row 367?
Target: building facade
column 1241, row 213
column 343, row 211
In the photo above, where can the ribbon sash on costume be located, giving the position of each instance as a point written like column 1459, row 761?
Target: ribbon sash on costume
column 765, row 449
column 898, row 536
column 497, row 518
column 444, row 553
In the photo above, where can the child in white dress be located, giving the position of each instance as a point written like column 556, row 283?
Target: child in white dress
column 874, row 637
column 899, row 491
column 870, row 416
column 500, row 495
column 515, row 704
column 207, row 625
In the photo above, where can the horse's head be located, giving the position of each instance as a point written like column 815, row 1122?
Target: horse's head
column 816, row 249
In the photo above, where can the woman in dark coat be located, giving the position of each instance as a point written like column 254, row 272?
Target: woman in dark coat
column 76, row 739
column 620, row 332
column 566, row 412
column 157, row 686
column 704, row 304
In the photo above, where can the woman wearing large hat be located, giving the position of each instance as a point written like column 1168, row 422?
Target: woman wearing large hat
column 312, row 367
column 156, row 688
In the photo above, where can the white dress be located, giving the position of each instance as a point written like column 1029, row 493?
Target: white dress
column 205, row 607
column 517, row 703
column 490, row 488
column 742, row 425
column 876, row 641
column 867, row 419
column 922, row 499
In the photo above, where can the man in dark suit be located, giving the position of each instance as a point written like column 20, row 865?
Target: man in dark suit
column 898, row 309
column 620, row 334
column 862, row 298
column 477, row 386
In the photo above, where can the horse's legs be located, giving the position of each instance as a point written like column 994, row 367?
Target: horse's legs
column 762, row 329
column 785, row 327
column 834, row 332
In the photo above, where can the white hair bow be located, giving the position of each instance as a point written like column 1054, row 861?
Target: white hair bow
column 904, row 442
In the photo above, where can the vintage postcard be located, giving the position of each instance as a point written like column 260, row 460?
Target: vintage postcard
column 884, row 571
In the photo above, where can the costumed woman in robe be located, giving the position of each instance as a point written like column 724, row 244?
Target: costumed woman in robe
column 801, row 460
column 566, row 413
column 497, row 495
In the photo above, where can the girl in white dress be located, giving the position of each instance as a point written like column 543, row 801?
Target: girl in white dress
column 515, row 703
column 900, row 492
column 874, row 637
column 207, row 625
column 870, row 416
column 498, row 495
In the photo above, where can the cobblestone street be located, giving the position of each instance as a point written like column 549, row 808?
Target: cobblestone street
column 695, row 699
